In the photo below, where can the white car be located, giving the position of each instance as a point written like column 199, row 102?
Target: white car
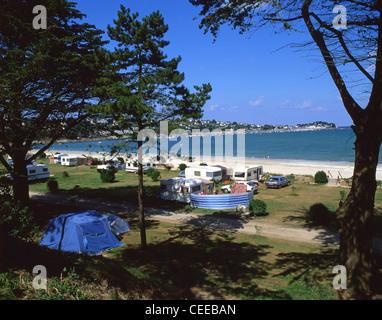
column 250, row 186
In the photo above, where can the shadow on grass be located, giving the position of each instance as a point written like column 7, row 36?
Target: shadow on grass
column 199, row 261
column 310, row 273
column 192, row 263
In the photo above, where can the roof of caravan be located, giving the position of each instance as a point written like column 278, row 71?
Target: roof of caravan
column 246, row 168
column 206, row 167
column 182, row 180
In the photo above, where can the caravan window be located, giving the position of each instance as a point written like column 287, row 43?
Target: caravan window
column 163, row 186
column 32, row 171
column 195, row 189
column 197, row 173
column 44, row 170
column 216, row 174
column 240, row 174
column 210, row 174
column 184, row 189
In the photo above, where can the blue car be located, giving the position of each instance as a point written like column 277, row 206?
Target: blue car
column 277, row 182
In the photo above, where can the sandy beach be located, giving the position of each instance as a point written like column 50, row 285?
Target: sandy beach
column 284, row 167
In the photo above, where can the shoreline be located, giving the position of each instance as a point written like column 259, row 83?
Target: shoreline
column 284, row 167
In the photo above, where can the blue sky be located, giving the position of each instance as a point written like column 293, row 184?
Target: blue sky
column 252, row 81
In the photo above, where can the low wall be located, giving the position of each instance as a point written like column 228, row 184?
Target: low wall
column 221, row 201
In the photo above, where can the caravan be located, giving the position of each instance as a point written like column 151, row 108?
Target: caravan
column 37, row 172
column 57, row 157
column 204, row 172
column 247, row 173
column 132, row 166
column 69, row 161
column 179, row 189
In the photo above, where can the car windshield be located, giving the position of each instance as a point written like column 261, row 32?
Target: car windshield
column 274, row 179
column 251, row 184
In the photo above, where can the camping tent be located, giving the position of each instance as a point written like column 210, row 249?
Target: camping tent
column 117, row 224
column 87, row 232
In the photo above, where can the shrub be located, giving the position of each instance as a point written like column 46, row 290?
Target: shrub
column 16, row 219
column 182, row 166
column 320, row 177
column 108, row 175
column 65, row 174
column 257, row 207
column 52, row 185
column 6, row 191
column 319, row 215
column 153, row 174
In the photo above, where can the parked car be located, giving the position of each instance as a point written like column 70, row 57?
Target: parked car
column 277, row 182
column 250, row 186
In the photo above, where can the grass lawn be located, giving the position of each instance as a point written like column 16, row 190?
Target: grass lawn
column 287, row 205
column 182, row 261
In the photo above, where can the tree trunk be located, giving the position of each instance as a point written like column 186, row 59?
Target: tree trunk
column 355, row 216
column 141, row 210
column 20, row 179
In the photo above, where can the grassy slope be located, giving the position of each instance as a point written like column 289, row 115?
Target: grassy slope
column 181, row 261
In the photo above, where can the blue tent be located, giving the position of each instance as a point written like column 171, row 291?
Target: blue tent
column 87, row 232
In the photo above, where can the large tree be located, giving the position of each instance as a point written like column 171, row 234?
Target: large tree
column 47, row 76
column 352, row 44
column 148, row 87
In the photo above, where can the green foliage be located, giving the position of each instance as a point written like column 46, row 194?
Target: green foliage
column 16, row 218
column 5, row 189
column 108, row 175
column 52, row 185
column 188, row 208
column 320, row 177
column 47, row 76
column 65, row 174
column 257, row 207
column 342, row 195
column 153, row 174
column 182, row 166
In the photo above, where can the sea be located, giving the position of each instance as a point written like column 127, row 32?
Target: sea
column 314, row 145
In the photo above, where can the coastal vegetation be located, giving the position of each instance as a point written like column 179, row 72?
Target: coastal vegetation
column 181, row 261
column 358, row 45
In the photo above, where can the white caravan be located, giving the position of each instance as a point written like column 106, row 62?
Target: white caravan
column 69, row 161
column 57, row 157
column 247, row 173
column 204, row 172
column 132, row 166
column 179, row 189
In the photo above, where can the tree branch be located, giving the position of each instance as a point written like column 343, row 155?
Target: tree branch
column 344, row 46
column 351, row 106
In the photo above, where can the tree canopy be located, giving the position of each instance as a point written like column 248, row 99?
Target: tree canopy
column 47, row 77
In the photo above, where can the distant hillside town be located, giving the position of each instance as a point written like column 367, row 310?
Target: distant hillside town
column 104, row 128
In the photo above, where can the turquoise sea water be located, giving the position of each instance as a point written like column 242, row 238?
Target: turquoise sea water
column 321, row 145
